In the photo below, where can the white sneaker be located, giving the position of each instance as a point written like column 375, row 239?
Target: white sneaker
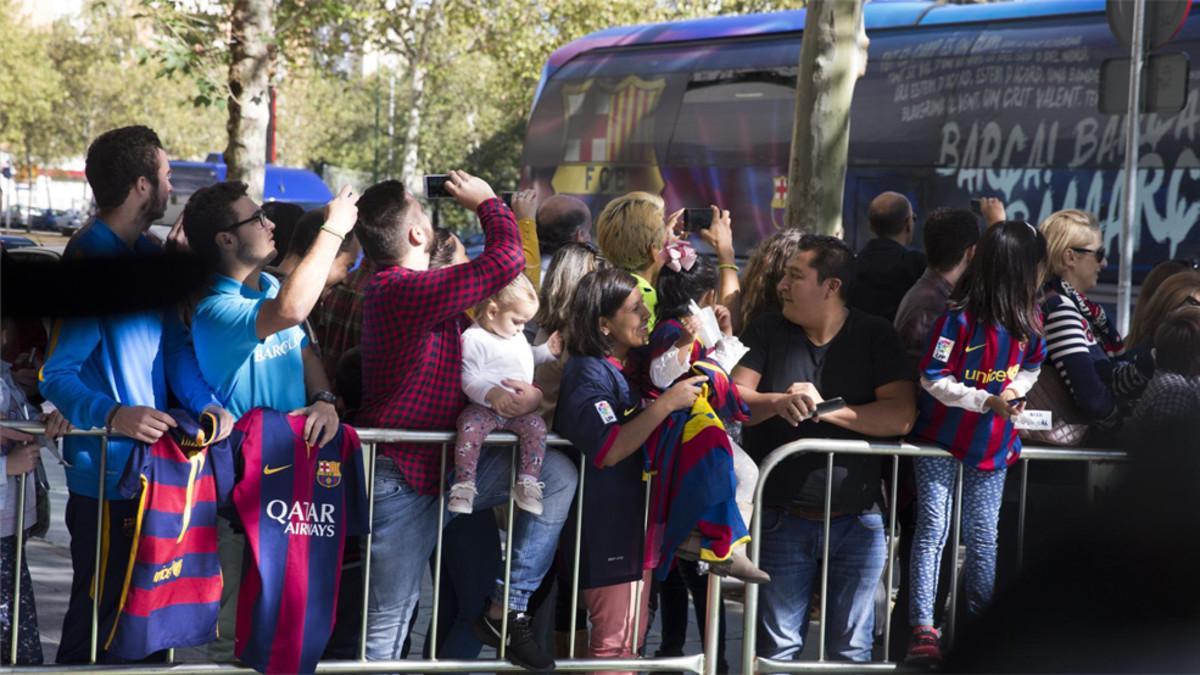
column 462, row 498
column 528, row 494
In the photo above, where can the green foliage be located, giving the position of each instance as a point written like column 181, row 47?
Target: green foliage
column 30, row 89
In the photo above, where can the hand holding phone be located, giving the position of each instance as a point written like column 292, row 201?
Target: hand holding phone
column 695, row 220
column 435, row 186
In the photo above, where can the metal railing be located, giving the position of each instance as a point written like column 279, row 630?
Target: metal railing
column 702, row 664
column 752, row 663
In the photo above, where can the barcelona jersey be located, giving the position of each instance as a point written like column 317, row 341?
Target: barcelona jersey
column 983, row 356
column 172, row 590
column 297, row 504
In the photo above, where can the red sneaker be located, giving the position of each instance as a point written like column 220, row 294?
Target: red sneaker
column 924, row 648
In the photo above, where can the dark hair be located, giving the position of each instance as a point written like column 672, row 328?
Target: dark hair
column 948, row 235
column 1001, row 283
column 116, row 159
column 286, row 217
column 305, row 232
column 443, row 249
column 208, row 211
column 1177, row 342
column 558, row 223
column 677, row 289
column 833, row 259
column 887, row 216
column 381, row 211
column 599, row 294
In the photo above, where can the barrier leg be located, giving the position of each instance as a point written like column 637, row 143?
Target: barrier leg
column 578, row 547
column 639, row 585
column 437, row 558
column 16, row 601
column 957, row 530
column 1021, row 515
column 711, row 624
column 362, row 633
column 750, row 599
column 508, row 548
column 96, row 585
column 891, row 554
column 825, row 557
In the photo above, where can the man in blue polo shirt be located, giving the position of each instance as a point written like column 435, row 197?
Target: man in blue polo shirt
column 112, row 372
column 249, row 342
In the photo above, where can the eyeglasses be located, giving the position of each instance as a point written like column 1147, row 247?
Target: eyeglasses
column 259, row 215
column 1098, row 252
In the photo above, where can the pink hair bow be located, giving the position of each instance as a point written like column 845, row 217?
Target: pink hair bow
column 678, row 255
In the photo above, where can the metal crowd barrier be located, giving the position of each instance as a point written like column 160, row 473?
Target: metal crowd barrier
column 752, row 663
column 702, row 664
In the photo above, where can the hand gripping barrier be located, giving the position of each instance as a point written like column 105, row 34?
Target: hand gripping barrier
column 702, row 664
column 752, row 663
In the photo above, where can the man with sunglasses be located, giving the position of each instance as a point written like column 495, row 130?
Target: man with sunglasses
column 247, row 333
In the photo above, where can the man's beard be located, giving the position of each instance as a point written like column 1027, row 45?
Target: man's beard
column 246, row 257
column 154, row 208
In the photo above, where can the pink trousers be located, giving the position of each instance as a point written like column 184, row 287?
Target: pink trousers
column 610, row 610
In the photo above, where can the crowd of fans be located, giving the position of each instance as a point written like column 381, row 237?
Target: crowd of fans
column 651, row 358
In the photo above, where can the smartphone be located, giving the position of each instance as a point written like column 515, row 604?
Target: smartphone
column 1017, row 401
column 507, row 197
column 976, row 206
column 435, row 186
column 695, row 220
column 830, row 405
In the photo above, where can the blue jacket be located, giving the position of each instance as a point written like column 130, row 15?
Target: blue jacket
column 96, row 363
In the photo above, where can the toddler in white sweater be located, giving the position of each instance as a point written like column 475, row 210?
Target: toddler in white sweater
column 497, row 377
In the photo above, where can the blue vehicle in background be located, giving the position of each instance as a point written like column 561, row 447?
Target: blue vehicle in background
column 282, row 184
column 958, row 101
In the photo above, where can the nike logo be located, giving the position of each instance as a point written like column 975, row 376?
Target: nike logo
column 268, row 470
column 631, row 412
column 971, row 349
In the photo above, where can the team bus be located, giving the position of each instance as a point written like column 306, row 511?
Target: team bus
column 957, row 101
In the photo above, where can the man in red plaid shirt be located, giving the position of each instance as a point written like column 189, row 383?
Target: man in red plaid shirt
column 413, row 319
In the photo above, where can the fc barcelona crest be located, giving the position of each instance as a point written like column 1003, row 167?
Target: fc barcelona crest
column 779, row 201
column 329, row 473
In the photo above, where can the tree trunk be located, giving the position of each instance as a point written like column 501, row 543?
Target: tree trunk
column 251, row 58
column 411, row 162
column 833, row 55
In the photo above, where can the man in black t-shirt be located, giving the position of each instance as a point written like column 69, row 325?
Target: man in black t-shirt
column 818, row 348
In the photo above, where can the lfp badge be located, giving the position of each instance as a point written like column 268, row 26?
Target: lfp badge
column 329, row 473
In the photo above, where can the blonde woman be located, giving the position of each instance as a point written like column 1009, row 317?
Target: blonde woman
column 632, row 230
column 1081, row 341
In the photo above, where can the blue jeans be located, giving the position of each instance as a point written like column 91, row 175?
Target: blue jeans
column 404, row 533
column 791, row 554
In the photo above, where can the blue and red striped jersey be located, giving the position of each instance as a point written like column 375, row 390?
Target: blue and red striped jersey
column 297, row 505
column 978, row 355
column 172, row 590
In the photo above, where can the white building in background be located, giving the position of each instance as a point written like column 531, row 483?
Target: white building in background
column 42, row 13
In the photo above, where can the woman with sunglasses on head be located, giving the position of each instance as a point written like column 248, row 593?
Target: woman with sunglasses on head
column 1082, row 342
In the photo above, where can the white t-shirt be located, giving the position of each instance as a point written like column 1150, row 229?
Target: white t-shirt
column 489, row 359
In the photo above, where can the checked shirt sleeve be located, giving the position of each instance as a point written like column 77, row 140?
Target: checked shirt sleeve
column 434, row 296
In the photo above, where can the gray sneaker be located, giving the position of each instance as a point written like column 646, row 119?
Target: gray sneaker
column 462, row 498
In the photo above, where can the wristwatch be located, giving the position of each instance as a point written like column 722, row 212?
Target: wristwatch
column 323, row 396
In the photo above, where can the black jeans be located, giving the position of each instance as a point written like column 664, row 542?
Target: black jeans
column 672, row 594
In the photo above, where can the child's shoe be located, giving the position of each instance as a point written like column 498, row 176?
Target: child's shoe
column 462, row 498
column 924, row 648
column 528, row 494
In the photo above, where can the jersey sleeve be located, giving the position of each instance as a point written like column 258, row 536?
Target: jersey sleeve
column 357, row 520
column 947, row 342
column 588, row 413
column 130, row 485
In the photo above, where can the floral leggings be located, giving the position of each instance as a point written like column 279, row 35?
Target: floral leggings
column 476, row 422
column 29, row 643
column 982, row 492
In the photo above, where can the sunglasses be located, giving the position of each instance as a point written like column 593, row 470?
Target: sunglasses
column 1098, row 252
column 259, row 215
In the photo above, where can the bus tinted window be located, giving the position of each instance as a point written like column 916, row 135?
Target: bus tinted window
column 735, row 118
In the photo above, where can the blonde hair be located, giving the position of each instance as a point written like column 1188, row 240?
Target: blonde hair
column 1064, row 230
column 570, row 264
column 628, row 227
column 517, row 290
column 1152, row 309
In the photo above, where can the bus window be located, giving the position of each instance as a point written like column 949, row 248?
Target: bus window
column 735, row 118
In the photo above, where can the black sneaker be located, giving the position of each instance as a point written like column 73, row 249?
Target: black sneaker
column 522, row 649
